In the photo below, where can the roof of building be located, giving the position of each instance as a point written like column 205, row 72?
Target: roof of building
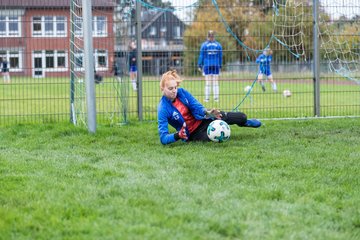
column 149, row 17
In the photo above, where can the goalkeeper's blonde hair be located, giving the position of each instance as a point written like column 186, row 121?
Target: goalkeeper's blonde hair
column 169, row 75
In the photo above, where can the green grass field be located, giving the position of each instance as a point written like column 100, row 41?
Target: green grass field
column 294, row 179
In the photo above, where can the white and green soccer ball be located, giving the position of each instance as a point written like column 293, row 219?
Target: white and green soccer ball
column 218, row 131
column 247, row 89
column 287, row 93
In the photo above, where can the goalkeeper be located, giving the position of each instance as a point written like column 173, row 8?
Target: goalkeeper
column 264, row 61
column 187, row 115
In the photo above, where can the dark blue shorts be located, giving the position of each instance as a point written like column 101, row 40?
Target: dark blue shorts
column 133, row 69
column 211, row 70
column 265, row 72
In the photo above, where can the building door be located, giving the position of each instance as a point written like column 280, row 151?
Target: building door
column 37, row 63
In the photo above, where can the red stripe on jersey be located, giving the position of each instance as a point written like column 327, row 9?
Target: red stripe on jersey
column 191, row 122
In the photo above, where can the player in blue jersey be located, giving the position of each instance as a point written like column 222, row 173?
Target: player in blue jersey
column 264, row 61
column 132, row 65
column 210, row 63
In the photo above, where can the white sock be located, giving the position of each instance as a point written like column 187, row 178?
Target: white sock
column 133, row 82
column 207, row 91
column 216, row 91
column 274, row 86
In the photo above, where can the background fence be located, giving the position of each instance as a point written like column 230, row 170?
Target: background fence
column 41, row 41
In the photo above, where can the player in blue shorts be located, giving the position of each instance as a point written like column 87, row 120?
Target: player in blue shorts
column 264, row 61
column 132, row 65
column 210, row 63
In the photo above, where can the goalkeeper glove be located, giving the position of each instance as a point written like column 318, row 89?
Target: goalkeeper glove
column 213, row 113
column 182, row 132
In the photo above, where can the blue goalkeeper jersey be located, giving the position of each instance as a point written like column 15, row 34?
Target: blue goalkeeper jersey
column 168, row 114
column 264, row 64
column 210, row 54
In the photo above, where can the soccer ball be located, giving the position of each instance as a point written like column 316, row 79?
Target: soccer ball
column 287, row 93
column 218, row 131
column 247, row 88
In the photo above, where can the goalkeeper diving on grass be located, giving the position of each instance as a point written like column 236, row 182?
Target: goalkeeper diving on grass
column 264, row 61
column 187, row 115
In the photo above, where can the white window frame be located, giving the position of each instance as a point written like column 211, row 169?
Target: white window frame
column 11, row 20
column 50, row 54
column 38, row 21
column 99, row 26
column 7, row 54
column 152, row 31
column 48, row 21
column 97, row 31
column 3, row 21
column 177, row 32
column 64, row 54
column 55, row 54
column 53, row 22
column 63, row 21
column 38, row 72
column 101, row 53
column 97, row 53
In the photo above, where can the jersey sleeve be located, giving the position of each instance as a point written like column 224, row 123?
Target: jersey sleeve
column 163, row 127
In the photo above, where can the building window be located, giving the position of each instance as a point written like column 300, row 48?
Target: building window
column 14, row 58
column 177, row 32
column 49, row 59
column 37, row 26
column 2, row 26
column 152, row 31
column 14, row 29
column 49, row 26
column 99, row 26
column 52, row 60
column 61, row 59
column 10, row 26
column 56, row 59
column 60, row 25
column 101, row 59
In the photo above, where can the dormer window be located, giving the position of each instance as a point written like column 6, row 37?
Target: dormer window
column 177, row 32
column 152, row 31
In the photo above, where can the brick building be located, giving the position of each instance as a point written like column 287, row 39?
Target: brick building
column 35, row 36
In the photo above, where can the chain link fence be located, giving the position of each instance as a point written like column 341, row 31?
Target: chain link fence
column 42, row 57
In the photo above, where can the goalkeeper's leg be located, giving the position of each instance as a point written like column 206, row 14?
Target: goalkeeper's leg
column 239, row 119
